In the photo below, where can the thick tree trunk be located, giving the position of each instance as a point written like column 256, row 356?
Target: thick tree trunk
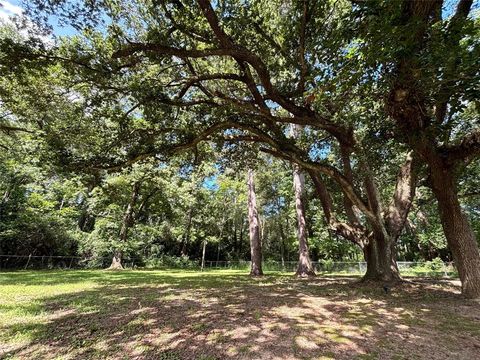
column 458, row 232
column 411, row 110
column 380, row 256
column 305, row 267
column 460, row 236
column 116, row 261
column 254, row 229
column 378, row 248
column 402, row 198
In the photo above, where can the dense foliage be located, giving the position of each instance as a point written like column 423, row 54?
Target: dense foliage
column 132, row 136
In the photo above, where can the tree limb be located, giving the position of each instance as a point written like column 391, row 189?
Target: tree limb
column 465, row 151
column 402, row 197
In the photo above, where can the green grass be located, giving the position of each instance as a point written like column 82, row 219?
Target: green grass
column 177, row 314
column 27, row 295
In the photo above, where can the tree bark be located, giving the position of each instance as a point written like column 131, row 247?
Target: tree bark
column 240, row 246
column 460, row 236
column 410, row 109
column 116, row 261
column 282, row 244
column 254, row 229
column 458, row 232
column 402, row 198
column 354, row 233
column 345, row 153
column 203, row 253
column 378, row 247
column 380, row 256
column 304, row 267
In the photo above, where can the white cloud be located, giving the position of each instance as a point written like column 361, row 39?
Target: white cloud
column 8, row 10
column 8, row 7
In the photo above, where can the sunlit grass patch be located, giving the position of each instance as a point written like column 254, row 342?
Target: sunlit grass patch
column 222, row 314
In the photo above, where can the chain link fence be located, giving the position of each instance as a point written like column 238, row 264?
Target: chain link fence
column 38, row 262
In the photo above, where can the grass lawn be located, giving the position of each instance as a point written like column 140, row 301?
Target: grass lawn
column 225, row 314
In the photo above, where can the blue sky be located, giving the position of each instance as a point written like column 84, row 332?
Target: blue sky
column 14, row 7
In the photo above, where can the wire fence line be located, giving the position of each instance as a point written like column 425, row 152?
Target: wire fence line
column 58, row 262
column 436, row 268
column 344, row 267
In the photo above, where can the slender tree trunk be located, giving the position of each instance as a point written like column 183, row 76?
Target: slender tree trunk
column 62, row 203
column 287, row 229
column 186, row 235
column 222, row 224
column 240, row 246
column 305, row 267
column 203, row 253
column 460, row 236
column 345, row 154
column 127, row 223
column 282, row 243
column 235, row 239
column 254, row 229
column 6, row 194
column 86, row 221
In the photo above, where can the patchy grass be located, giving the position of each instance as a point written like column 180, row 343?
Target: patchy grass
column 226, row 314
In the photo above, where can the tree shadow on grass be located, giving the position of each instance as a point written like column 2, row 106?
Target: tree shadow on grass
column 62, row 277
column 164, row 315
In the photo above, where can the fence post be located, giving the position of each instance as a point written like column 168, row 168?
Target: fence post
column 28, row 261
